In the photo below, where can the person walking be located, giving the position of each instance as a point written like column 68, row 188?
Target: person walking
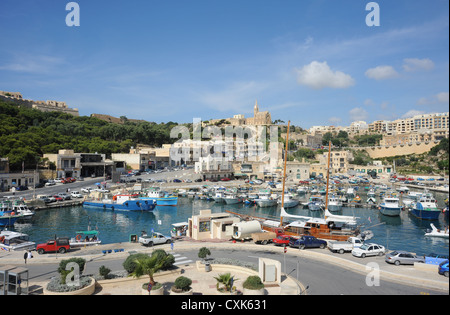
column 27, row 255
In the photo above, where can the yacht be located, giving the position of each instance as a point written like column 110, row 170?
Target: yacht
column 12, row 241
column 390, row 206
column 334, row 203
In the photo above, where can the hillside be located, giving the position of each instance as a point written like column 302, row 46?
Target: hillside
column 26, row 134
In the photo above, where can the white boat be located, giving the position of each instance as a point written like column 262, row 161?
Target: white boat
column 302, row 190
column 219, row 195
column 435, row 232
column 265, row 199
column 350, row 192
column 232, row 198
column 22, row 209
column 13, row 241
column 403, row 189
column 334, row 204
column 390, row 206
column 371, row 201
column 85, row 238
column 289, row 201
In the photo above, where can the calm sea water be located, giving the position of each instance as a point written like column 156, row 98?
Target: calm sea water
column 405, row 232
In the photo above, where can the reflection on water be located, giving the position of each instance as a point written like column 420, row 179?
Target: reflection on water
column 403, row 232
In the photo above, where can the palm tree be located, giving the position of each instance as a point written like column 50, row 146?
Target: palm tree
column 226, row 279
column 149, row 265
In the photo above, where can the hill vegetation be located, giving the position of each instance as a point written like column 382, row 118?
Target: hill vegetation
column 26, row 134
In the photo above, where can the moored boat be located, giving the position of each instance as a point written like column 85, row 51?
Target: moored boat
column 390, row 206
column 426, row 208
column 265, row 199
column 435, row 232
column 334, row 203
column 121, row 203
column 85, row 238
column 12, row 241
column 315, row 203
column 289, row 201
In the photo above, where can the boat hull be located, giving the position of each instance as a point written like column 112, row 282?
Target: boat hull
column 426, row 214
column 266, row 203
column 314, row 206
column 391, row 212
column 333, row 207
column 9, row 220
column 291, row 203
column 232, row 201
column 130, row 205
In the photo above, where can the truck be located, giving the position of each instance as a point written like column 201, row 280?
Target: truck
column 244, row 230
column 346, row 246
column 59, row 245
column 263, row 237
column 307, row 241
column 154, row 238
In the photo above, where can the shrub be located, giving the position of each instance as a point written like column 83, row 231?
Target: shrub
column 168, row 258
column 104, row 271
column 203, row 252
column 129, row 264
column 63, row 265
column 183, row 283
column 253, row 283
column 156, row 286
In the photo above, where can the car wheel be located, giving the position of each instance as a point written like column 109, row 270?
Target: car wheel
column 363, row 255
column 62, row 250
column 341, row 251
column 168, row 241
column 40, row 251
column 302, row 246
column 150, row 244
column 446, row 274
column 397, row 262
column 322, row 246
column 380, row 254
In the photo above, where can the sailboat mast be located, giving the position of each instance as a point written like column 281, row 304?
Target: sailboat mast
column 328, row 174
column 284, row 170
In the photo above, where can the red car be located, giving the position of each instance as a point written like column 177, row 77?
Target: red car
column 281, row 240
column 60, row 245
column 225, row 179
column 58, row 198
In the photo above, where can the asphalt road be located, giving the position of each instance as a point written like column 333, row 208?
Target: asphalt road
column 321, row 278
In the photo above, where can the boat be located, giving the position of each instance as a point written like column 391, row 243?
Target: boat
column 357, row 199
column 390, row 206
column 315, row 203
column 85, row 238
column 371, row 201
column 425, row 208
column 232, row 198
column 334, row 203
column 302, row 190
column 219, row 195
column 350, row 192
column 403, row 189
column 288, row 201
column 265, row 199
column 21, row 208
column 8, row 217
column 12, row 241
column 435, row 232
column 161, row 198
column 121, row 203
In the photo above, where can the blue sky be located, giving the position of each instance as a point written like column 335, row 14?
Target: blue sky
column 313, row 62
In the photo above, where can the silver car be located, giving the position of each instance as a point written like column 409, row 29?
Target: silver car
column 402, row 257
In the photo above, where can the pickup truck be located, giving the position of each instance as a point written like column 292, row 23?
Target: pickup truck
column 307, row 242
column 60, row 245
column 347, row 246
column 263, row 237
column 154, row 238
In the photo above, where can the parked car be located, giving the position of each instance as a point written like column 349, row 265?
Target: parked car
column 39, row 185
column 281, row 240
column 369, row 250
column 443, row 268
column 225, row 179
column 50, row 183
column 58, row 198
column 435, row 259
column 176, row 180
column 307, row 242
column 86, row 190
column 65, row 196
column 45, row 199
column 154, row 238
column 60, row 245
column 402, row 257
column 76, row 194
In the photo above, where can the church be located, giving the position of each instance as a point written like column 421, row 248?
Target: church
column 259, row 118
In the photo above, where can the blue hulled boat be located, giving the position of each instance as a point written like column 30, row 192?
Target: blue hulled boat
column 426, row 208
column 122, row 203
column 161, row 198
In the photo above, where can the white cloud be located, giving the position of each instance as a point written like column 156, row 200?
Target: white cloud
column 442, row 97
column 381, row 73
column 318, row 75
column 358, row 113
column 413, row 112
column 415, row 64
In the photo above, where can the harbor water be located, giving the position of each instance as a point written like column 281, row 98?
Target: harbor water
column 405, row 232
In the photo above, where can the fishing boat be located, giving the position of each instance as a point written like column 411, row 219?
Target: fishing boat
column 265, row 199
column 371, row 201
column 435, row 232
column 21, row 208
column 334, row 203
column 85, row 238
column 8, row 217
column 232, row 198
column 315, row 203
column 12, row 241
column 124, row 202
column 161, row 198
column 425, row 208
column 350, row 192
column 302, row 190
column 219, row 194
column 288, row 201
column 390, row 206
